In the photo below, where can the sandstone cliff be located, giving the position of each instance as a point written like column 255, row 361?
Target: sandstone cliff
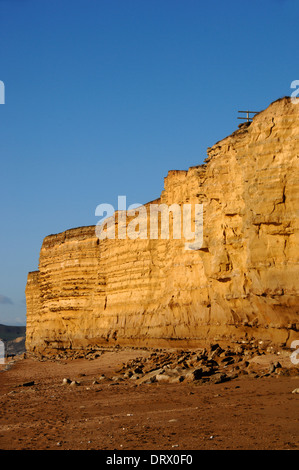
column 241, row 284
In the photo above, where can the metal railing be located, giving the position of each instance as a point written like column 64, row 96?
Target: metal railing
column 248, row 118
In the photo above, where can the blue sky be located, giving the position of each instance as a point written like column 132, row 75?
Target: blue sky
column 103, row 97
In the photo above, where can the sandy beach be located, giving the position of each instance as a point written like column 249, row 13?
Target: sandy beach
column 39, row 411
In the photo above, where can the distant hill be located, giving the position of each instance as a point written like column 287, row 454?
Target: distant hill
column 9, row 333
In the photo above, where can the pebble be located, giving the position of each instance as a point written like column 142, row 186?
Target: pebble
column 66, row 381
column 74, row 383
column 296, row 390
column 28, row 384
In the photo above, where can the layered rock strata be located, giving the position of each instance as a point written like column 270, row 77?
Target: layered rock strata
column 240, row 283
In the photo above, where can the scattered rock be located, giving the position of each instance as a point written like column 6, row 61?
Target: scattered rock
column 196, row 374
column 150, row 377
column 28, row 384
column 228, row 360
column 219, row 378
column 288, row 371
column 117, row 379
column 215, row 364
column 178, row 379
column 162, row 378
column 74, row 383
column 66, row 381
column 134, row 377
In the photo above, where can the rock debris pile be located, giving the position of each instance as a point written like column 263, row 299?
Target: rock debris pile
column 214, row 365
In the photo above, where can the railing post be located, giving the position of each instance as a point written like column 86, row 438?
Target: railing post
column 248, row 118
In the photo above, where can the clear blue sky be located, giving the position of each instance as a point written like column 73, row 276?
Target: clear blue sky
column 103, row 97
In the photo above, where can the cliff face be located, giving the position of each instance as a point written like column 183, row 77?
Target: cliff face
column 240, row 284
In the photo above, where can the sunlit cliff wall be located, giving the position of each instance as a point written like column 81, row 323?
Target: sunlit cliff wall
column 241, row 284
